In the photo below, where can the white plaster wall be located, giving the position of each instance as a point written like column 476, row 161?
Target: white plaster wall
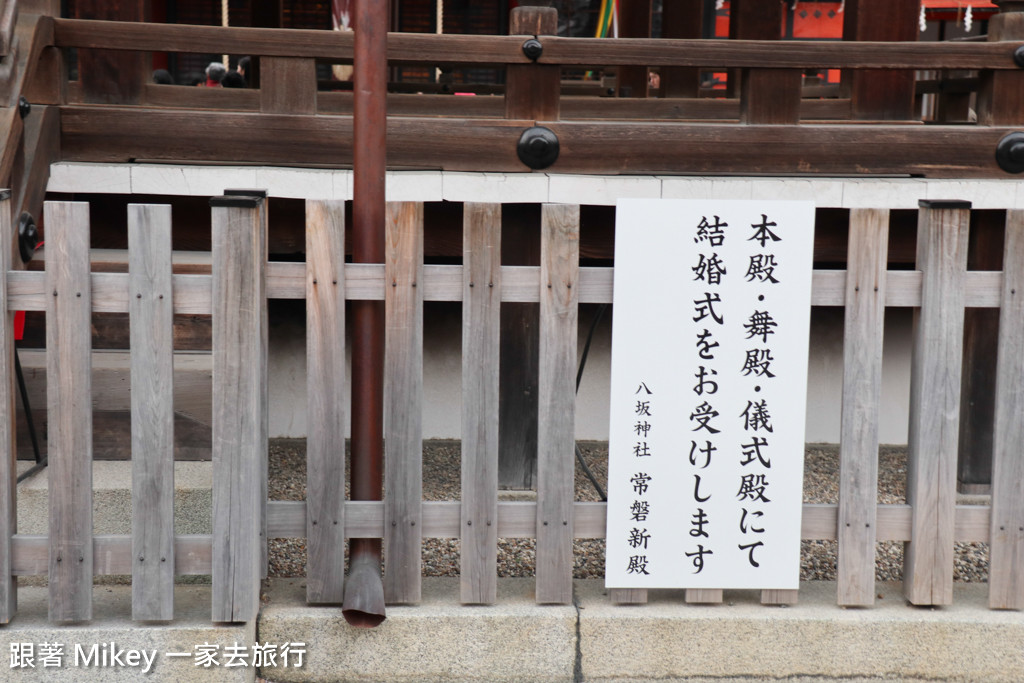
column 442, row 375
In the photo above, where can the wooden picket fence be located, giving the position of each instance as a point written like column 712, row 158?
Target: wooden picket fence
column 235, row 293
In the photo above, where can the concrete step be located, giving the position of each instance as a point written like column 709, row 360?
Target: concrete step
column 85, row 648
column 112, row 498
column 665, row 640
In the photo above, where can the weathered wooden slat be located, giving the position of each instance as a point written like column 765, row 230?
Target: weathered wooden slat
column 559, row 300
column 239, row 439
column 152, row 395
column 68, row 386
column 780, row 597
column 935, row 401
column 27, row 290
column 113, row 555
column 627, row 596
column 442, row 519
column 325, row 391
column 481, row 322
column 403, row 403
column 287, row 85
column 701, row 596
column 120, row 134
column 8, row 467
column 862, row 386
column 1006, row 552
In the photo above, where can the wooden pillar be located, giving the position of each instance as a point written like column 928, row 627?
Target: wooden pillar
column 681, row 19
column 766, row 95
column 532, row 90
column 881, row 94
column 532, row 93
column 113, row 76
column 634, row 22
column 1001, row 95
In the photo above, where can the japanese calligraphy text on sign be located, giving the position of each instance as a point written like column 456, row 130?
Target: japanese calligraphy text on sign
column 708, row 394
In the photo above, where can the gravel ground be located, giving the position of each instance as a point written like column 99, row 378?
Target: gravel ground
column 441, row 468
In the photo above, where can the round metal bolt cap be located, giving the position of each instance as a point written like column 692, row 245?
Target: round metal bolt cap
column 28, row 237
column 533, row 49
column 538, row 147
column 1010, row 153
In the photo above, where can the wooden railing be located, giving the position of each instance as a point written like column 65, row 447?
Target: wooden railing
column 235, row 294
column 751, row 133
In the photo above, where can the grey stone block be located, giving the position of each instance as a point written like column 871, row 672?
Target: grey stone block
column 741, row 639
column 439, row 640
column 113, row 628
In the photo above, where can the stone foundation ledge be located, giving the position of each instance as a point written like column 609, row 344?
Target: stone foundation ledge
column 517, row 640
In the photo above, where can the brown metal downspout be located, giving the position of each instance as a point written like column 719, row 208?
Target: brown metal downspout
column 363, row 605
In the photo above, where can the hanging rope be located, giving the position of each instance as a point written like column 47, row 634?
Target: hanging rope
column 224, row 22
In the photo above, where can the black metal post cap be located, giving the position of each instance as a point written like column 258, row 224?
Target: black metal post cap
column 28, row 237
column 24, row 106
column 1010, row 153
column 533, row 49
column 538, row 147
column 1018, row 56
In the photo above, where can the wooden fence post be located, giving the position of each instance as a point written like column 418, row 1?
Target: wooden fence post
column 325, row 390
column 239, row 401
column 1006, row 552
column 481, row 320
column 151, row 325
column 556, row 423
column 403, row 403
column 69, row 398
column 862, row 384
column 8, row 466
column 942, row 228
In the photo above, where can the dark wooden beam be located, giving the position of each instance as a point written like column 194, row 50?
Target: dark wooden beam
column 882, row 95
column 121, row 134
column 413, row 48
column 110, row 76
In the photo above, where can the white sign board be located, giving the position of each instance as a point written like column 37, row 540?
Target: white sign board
column 708, row 393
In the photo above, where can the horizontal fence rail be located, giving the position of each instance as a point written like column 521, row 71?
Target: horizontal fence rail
column 940, row 288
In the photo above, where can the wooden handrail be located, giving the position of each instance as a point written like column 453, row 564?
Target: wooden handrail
column 421, row 48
